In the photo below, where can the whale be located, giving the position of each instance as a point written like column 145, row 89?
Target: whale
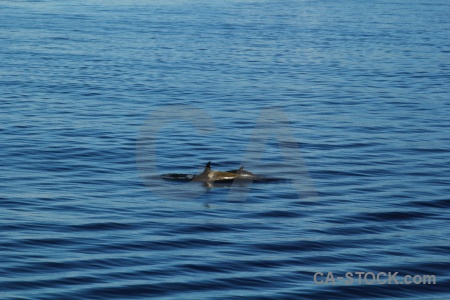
column 208, row 175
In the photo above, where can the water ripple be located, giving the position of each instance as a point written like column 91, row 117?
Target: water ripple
column 362, row 146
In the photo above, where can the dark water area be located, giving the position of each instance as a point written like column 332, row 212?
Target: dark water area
column 348, row 101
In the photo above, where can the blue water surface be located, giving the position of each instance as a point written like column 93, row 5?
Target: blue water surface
column 348, row 101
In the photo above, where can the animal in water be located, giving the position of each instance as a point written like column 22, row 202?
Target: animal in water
column 209, row 175
column 243, row 173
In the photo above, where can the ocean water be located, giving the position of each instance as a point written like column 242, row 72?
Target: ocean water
column 347, row 101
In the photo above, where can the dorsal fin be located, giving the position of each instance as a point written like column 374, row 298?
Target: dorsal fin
column 208, row 167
